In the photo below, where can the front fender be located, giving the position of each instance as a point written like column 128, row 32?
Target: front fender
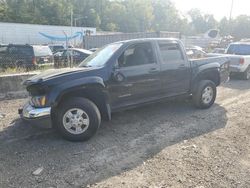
column 59, row 90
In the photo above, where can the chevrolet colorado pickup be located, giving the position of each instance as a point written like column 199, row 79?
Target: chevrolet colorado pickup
column 119, row 76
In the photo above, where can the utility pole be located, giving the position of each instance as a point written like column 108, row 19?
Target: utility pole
column 71, row 19
column 230, row 17
column 231, row 10
column 71, row 23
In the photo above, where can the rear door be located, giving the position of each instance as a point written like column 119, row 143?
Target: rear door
column 175, row 68
column 137, row 75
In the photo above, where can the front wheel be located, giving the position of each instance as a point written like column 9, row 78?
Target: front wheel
column 77, row 120
column 204, row 94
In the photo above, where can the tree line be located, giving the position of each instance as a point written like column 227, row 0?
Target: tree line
column 121, row 16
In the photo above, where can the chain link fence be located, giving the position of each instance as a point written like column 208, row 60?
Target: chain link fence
column 27, row 58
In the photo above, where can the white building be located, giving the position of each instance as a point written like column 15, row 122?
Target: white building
column 16, row 33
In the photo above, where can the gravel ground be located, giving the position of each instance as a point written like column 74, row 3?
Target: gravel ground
column 162, row 145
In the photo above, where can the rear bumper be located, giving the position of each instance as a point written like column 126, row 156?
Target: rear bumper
column 237, row 69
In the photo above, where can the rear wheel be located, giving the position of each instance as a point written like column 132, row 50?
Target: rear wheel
column 204, row 94
column 78, row 119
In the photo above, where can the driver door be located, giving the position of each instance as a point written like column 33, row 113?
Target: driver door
column 136, row 75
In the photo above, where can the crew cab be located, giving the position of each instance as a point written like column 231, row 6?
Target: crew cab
column 119, row 76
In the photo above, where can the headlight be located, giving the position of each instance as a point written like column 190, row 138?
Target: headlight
column 38, row 101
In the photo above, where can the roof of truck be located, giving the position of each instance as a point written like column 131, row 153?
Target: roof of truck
column 246, row 43
column 148, row 39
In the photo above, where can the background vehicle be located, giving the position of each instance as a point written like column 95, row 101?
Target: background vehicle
column 219, row 50
column 239, row 55
column 240, row 59
column 77, row 55
column 55, row 48
column 26, row 56
column 93, row 49
column 195, row 52
column 120, row 76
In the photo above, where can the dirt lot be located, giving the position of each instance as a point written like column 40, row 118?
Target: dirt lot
column 164, row 145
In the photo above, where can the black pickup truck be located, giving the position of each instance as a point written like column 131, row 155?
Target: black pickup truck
column 120, row 76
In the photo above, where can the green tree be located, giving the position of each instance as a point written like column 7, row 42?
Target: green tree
column 3, row 10
column 241, row 27
column 225, row 26
column 114, row 17
column 202, row 23
column 139, row 15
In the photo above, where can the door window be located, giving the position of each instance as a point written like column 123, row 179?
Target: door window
column 75, row 53
column 138, row 54
column 170, row 52
column 27, row 51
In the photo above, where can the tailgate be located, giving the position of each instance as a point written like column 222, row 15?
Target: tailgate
column 44, row 60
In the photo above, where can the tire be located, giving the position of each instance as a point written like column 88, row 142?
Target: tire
column 246, row 74
column 66, row 122
column 204, row 94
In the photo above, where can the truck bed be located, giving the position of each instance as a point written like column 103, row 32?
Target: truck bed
column 223, row 61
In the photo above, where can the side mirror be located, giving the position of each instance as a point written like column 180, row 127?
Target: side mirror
column 117, row 76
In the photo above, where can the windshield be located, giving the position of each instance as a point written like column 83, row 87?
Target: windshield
column 239, row 49
column 101, row 56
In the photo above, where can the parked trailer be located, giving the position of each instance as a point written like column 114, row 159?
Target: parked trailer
column 97, row 41
column 19, row 33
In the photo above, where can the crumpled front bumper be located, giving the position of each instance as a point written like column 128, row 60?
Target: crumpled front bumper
column 31, row 113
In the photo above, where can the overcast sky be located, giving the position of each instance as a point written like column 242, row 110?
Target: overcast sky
column 219, row 8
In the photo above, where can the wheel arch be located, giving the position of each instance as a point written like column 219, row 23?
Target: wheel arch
column 210, row 74
column 94, row 92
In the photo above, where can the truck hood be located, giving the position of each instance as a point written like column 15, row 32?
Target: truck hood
column 55, row 74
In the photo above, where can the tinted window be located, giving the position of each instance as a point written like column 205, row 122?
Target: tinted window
column 67, row 52
column 170, row 52
column 239, row 49
column 76, row 53
column 138, row 54
column 25, row 51
column 56, row 48
column 42, row 51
